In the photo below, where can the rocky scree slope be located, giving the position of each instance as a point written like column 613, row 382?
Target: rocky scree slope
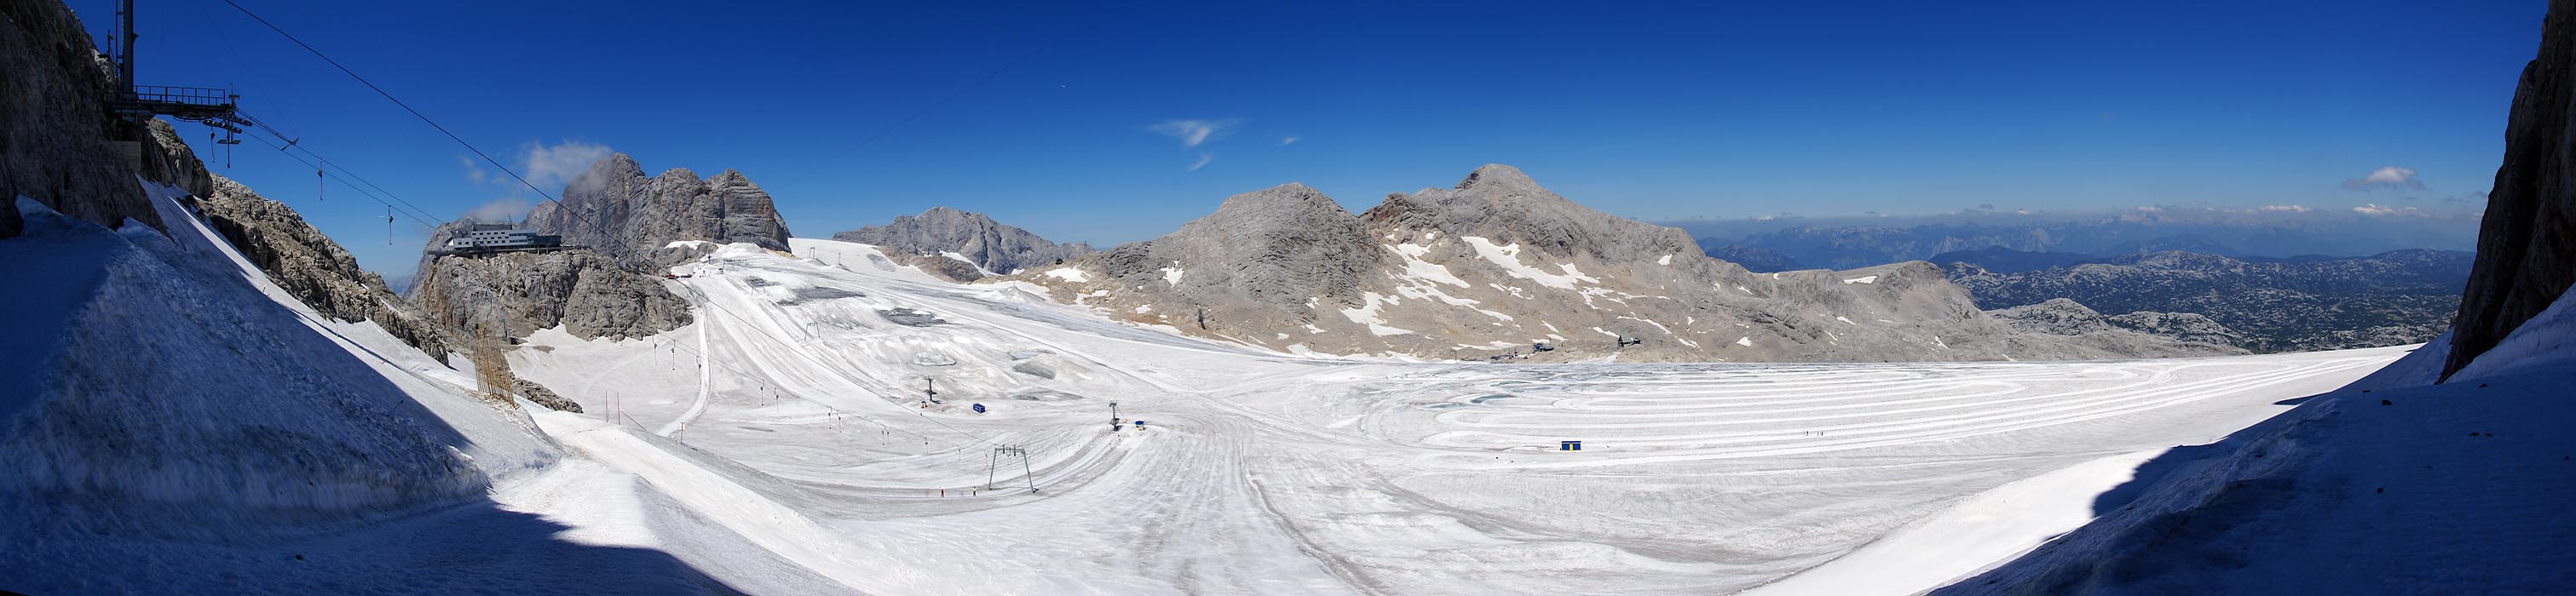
column 988, row 246
column 2277, row 305
column 1496, row 263
column 314, row 269
column 2527, row 242
column 2061, row 316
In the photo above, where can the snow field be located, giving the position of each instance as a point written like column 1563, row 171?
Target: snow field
column 1269, row 473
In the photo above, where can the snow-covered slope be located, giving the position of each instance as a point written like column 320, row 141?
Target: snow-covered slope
column 172, row 422
column 791, row 414
column 781, row 443
column 2392, row 485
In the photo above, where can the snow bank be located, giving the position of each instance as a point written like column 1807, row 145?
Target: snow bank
column 1508, row 258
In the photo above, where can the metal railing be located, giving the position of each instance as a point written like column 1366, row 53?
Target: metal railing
column 193, row 96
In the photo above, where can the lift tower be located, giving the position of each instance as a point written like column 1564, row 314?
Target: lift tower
column 218, row 108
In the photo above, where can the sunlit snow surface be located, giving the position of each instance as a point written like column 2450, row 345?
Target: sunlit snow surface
column 1259, row 472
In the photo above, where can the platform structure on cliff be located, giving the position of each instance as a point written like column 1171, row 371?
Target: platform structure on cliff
column 219, row 108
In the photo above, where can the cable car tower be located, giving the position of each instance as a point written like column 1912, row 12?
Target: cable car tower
column 219, row 108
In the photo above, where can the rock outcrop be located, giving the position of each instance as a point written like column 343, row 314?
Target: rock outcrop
column 2142, row 333
column 314, row 269
column 58, row 142
column 2527, row 243
column 615, row 210
column 623, row 229
column 583, row 291
column 987, row 245
column 1495, row 264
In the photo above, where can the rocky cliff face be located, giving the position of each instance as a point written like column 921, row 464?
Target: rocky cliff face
column 316, row 270
column 2527, row 243
column 982, row 242
column 1496, row 263
column 55, row 130
column 581, row 290
column 2392, row 298
column 615, row 210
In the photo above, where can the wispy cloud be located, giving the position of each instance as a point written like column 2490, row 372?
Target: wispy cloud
column 1204, row 158
column 501, row 210
column 549, row 167
column 474, row 171
column 2286, row 209
column 1194, row 132
column 1288, row 141
column 2385, row 177
column 2376, row 209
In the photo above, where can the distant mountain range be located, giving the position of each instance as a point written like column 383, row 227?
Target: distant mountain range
column 1792, row 243
column 1494, row 264
column 2274, row 304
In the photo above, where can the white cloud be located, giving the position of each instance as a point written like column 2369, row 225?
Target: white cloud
column 1288, row 141
column 1204, row 158
column 501, row 210
column 2385, row 177
column 2376, row 209
column 1193, row 132
column 550, row 167
column 474, row 171
column 2287, row 208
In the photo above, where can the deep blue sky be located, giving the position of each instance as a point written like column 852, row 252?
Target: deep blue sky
column 1646, row 112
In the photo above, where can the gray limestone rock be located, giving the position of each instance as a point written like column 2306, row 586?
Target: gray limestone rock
column 581, row 290
column 615, row 210
column 314, row 269
column 1496, row 262
column 990, row 245
column 57, row 145
column 2527, row 242
column 2142, row 333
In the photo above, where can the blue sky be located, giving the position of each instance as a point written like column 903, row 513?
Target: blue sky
column 1077, row 122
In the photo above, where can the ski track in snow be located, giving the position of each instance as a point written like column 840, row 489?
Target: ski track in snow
column 1269, row 473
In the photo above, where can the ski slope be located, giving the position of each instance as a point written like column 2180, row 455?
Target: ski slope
column 791, row 415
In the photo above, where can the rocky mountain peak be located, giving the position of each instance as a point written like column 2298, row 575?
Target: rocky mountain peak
column 1290, row 198
column 612, row 208
column 1483, row 270
column 1497, row 176
column 1502, row 204
column 989, row 245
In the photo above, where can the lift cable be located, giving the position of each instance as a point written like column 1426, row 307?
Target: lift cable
column 353, row 186
column 487, row 158
column 344, row 170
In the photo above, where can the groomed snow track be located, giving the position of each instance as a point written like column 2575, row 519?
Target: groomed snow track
column 1268, row 473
